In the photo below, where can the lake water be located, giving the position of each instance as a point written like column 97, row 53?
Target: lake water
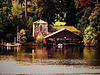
column 38, row 55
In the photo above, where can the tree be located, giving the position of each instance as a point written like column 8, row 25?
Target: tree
column 83, row 4
column 16, row 17
column 84, row 22
column 22, row 36
column 16, row 10
column 66, row 6
column 90, row 36
column 81, row 7
column 49, row 11
column 33, row 11
column 4, row 21
column 25, row 12
column 94, row 18
column 21, row 2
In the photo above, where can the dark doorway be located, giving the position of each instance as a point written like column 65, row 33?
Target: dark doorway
column 49, row 43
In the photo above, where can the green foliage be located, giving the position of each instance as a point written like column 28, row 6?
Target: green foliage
column 84, row 22
column 83, row 4
column 58, row 17
column 28, row 35
column 9, row 35
column 16, row 9
column 33, row 10
column 58, row 20
column 29, row 23
column 16, row 17
column 58, row 23
column 4, row 22
column 39, row 39
column 94, row 18
column 22, row 36
column 90, row 36
column 98, row 36
column 49, row 11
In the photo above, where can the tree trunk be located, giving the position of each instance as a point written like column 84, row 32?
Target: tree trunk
column 25, row 12
column 41, row 11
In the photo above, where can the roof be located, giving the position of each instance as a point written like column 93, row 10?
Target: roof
column 69, row 28
column 40, row 21
column 52, row 29
column 54, row 33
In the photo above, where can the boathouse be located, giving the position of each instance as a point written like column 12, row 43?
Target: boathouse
column 55, row 34
column 62, row 36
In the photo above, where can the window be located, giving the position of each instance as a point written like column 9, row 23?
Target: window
column 40, row 28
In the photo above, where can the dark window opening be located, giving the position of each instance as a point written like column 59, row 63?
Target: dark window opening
column 40, row 28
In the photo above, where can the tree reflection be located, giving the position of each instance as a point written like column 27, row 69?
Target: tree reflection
column 33, row 55
column 45, row 55
column 91, row 55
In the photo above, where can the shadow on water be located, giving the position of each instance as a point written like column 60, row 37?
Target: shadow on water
column 52, row 55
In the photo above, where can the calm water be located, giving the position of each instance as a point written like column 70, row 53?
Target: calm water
column 38, row 55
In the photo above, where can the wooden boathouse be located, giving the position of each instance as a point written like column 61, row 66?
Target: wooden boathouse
column 62, row 36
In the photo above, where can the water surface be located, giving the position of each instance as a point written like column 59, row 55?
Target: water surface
column 38, row 55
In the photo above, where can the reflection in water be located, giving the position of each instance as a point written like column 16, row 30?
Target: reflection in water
column 33, row 54
column 91, row 55
column 8, row 47
column 68, row 55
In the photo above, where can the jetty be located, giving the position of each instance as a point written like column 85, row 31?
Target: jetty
column 10, row 44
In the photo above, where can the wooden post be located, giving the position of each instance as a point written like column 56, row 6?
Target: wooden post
column 44, row 41
column 77, row 41
column 72, row 40
column 14, row 40
column 2, row 41
column 55, row 41
column 64, row 40
column 33, row 29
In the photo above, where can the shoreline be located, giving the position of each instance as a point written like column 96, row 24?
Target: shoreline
column 12, row 67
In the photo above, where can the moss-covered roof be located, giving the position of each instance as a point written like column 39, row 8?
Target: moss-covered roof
column 69, row 28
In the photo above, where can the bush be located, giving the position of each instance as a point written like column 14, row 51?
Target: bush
column 22, row 36
column 39, row 39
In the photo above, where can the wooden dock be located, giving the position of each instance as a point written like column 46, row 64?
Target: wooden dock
column 10, row 44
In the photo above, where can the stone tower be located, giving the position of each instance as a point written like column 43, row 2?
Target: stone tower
column 40, row 27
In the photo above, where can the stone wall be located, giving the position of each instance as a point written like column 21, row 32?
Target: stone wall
column 44, row 31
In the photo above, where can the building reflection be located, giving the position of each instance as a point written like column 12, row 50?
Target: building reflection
column 65, row 52
column 17, row 49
